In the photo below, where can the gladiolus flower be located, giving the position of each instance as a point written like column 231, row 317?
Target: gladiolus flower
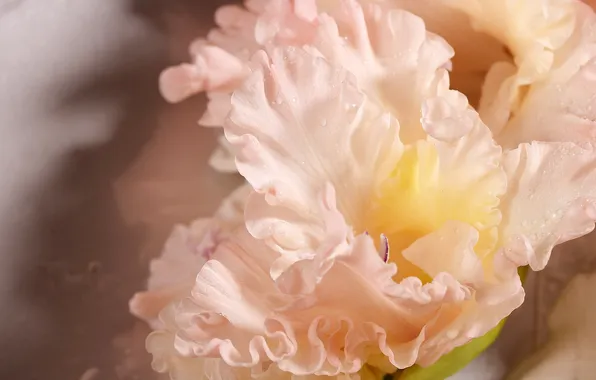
column 524, row 63
column 220, row 60
column 386, row 223
column 334, row 161
column 187, row 249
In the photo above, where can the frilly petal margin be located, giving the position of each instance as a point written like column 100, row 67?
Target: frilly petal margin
column 395, row 60
column 166, row 359
column 220, row 61
column 187, row 249
column 299, row 122
column 308, row 322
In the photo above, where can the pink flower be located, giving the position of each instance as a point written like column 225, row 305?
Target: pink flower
column 355, row 134
column 173, row 274
column 220, row 61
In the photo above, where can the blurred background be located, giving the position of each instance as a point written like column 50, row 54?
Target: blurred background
column 96, row 169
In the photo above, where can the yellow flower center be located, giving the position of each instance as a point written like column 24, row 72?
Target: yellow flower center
column 419, row 197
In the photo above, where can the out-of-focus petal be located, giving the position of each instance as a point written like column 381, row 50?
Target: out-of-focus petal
column 223, row 159
column 220, row 60
column 173, row 274
column 559, row 107
column 568, row 352
column 214, row 69
column 532, row 36
column 287, row 22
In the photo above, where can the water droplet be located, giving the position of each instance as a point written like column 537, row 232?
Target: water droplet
column 350, row 107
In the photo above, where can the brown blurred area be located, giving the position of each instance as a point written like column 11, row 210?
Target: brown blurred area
column 90, row 212
column 95, row 199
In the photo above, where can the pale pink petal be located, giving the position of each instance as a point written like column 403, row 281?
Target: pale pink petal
column 395, row 60
column 218, row 108
column 223, row 159
column 180, row 82
column 213, row 69
column 220, row 61
column 173, row 274
column 298, row 123
column 230, row 213
column 446, row 114
column 291, row 22
column 308, row 322
column 166, row 359
column 551, row 199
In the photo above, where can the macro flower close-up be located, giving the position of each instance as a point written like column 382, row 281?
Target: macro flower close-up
column 298, row 189
column 523, row 64
column 388, row 220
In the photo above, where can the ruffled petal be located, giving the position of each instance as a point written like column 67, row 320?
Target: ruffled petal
column 551, row 199
column 166, row 359
column 220, row 60
column 173, row 274
column 395, row 60
column 532, row 36
column 298, row 123
column 289, row 22
column 308, row 322
column 214, row 69
column 559, row 107
column 439, row 181
column 223, row 159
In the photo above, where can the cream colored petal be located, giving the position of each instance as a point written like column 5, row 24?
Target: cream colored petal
column 559, row 107
column 569, row 352
column 449, row 249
